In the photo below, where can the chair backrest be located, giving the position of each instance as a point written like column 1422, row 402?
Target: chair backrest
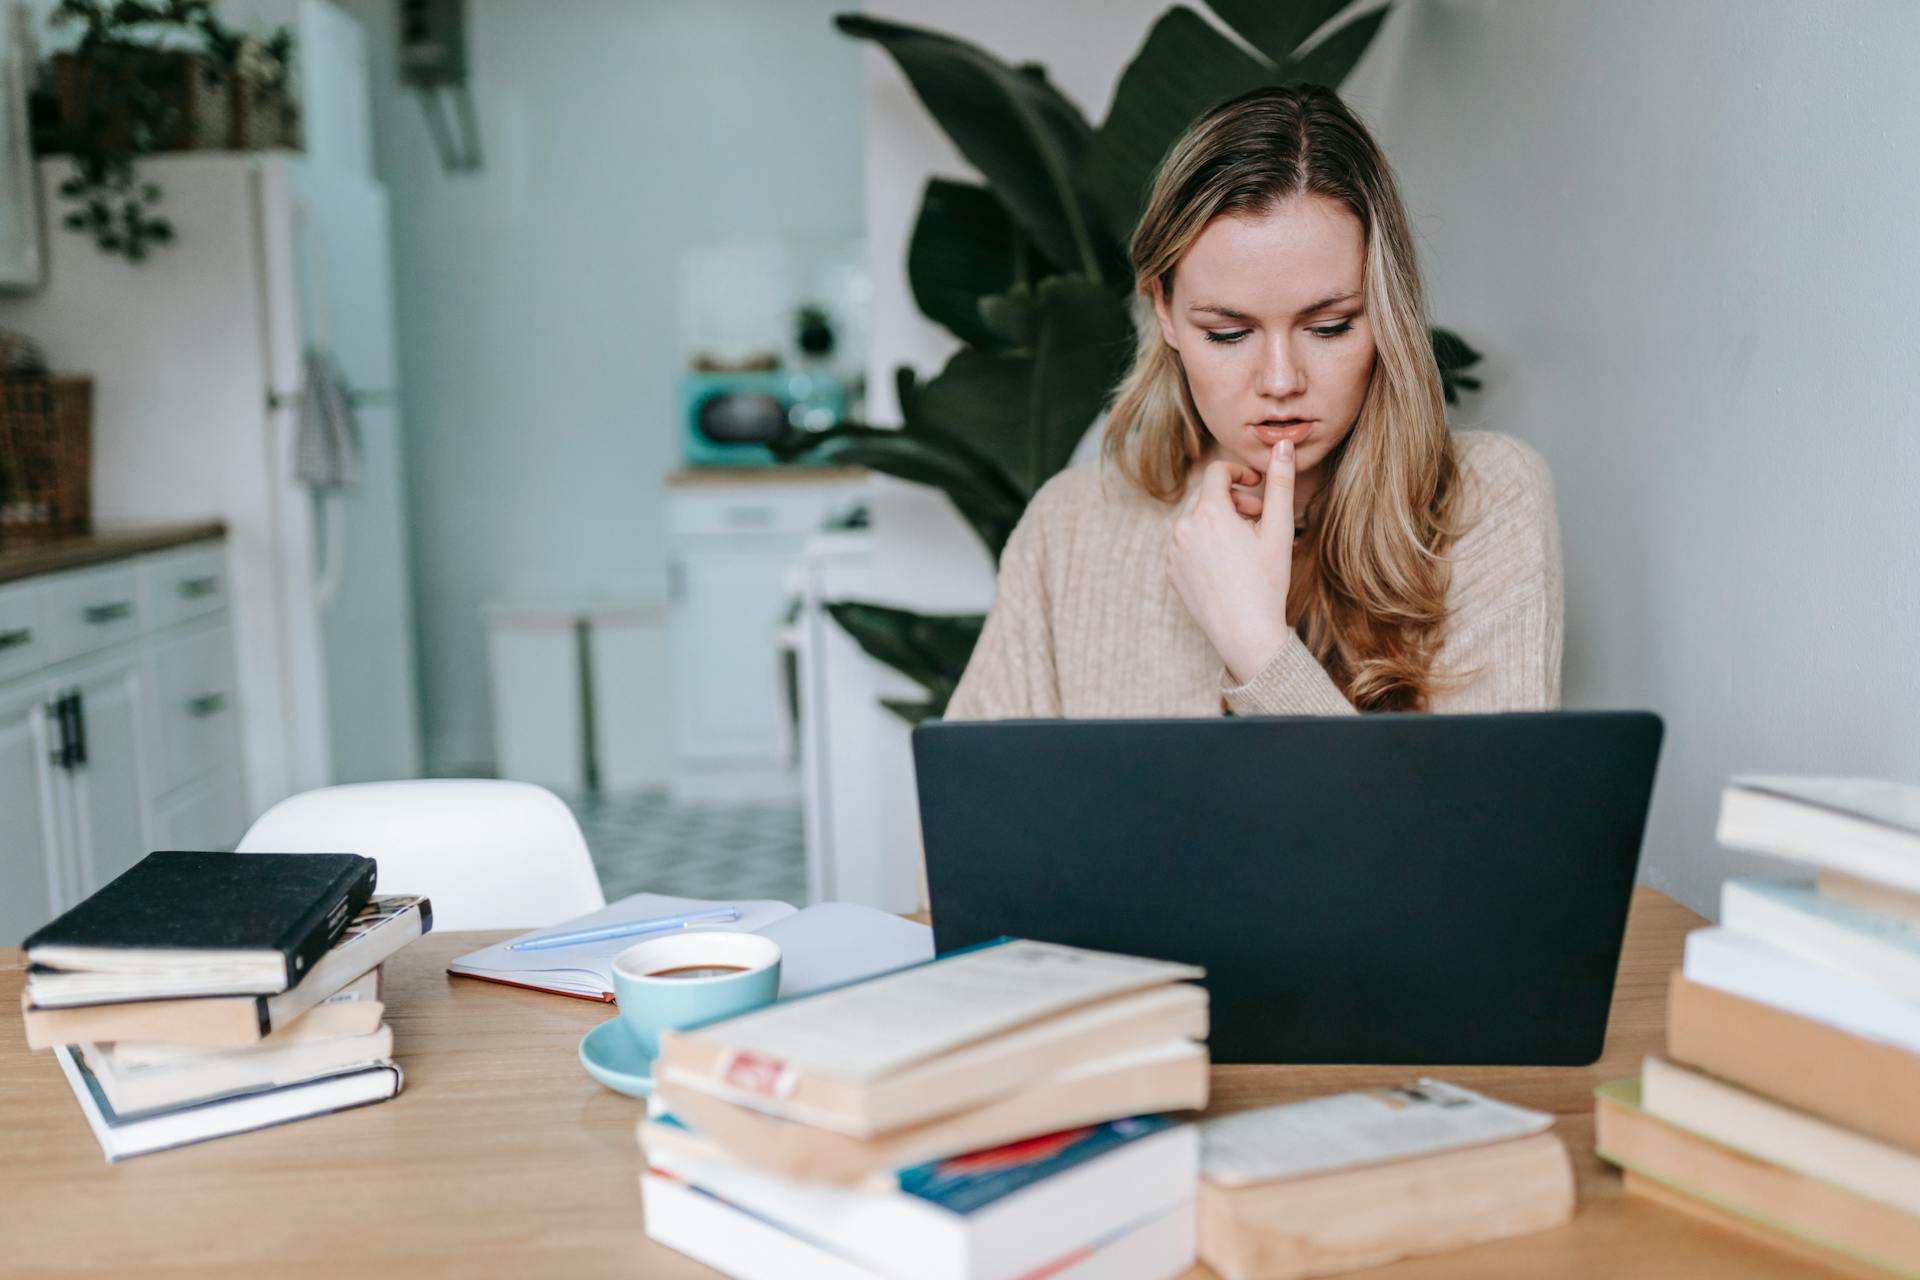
column 491, row 855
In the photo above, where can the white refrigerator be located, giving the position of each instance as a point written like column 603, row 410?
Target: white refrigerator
column 198, row 359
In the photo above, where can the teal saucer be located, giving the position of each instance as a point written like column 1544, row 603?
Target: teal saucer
column 612, row 1056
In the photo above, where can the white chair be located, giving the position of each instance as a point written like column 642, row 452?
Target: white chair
column 491, row 855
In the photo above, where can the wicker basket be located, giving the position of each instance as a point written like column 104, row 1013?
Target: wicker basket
column 46, row 455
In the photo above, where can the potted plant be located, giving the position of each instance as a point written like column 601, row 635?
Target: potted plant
column 148, row 76
column 1029, row 270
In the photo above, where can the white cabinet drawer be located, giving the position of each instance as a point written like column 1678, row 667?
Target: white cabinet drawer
column 23, row 631
column 178, row 585
column 795, row 510
column 207, row 816
column 89, row 610
column 195, row 721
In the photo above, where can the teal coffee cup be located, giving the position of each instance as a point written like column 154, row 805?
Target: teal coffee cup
column 684, row 978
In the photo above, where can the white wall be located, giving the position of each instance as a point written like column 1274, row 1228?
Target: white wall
column 539, row 343
column 1683, row 236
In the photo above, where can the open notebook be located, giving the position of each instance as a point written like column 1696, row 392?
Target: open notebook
column 821, row 945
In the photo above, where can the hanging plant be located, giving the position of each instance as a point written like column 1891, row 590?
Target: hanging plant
column 149, row 76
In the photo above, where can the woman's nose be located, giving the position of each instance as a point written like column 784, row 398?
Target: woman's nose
column 1281, row 374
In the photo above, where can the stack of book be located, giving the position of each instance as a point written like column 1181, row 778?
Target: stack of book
column 1359, row 1179
column 206, row 994
column 992, row 1114
column 1785, row 1107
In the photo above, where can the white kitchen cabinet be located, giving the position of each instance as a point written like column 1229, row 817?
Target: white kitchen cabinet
column 733, row 539
column 28, row 845
column 206, row 815
column 102, row 811
column 118, row 728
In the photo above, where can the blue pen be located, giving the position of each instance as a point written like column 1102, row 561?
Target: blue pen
column 659, row 924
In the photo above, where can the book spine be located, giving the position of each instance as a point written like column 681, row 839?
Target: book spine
column 1864, row 1085
column 1797, row 926
column 316, row 932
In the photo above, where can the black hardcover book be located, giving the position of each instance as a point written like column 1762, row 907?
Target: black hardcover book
column 185, row 923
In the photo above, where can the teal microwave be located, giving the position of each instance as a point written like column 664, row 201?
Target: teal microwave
column 728, row 419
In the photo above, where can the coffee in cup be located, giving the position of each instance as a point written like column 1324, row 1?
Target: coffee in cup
column 691, row 976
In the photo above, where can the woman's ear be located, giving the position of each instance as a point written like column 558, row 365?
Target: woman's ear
column 1162, row 312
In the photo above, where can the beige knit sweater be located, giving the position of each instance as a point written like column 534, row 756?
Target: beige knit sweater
column 1086, row 622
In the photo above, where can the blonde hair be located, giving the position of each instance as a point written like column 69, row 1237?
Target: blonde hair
column 1370, row 584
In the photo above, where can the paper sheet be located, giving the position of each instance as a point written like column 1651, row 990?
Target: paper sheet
column 587, row 969
column 822, row 946
column 835, row 942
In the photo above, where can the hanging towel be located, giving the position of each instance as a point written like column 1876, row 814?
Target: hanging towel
column 327, row 445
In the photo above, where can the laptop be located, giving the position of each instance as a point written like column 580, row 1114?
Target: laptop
column 1385, row 888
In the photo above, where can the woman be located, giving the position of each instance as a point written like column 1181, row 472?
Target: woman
column 1282, row 523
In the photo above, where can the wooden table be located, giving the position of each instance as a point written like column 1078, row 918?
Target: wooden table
column 502, row 1157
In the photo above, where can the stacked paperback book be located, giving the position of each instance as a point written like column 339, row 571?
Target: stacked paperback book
column 1785, row 1108
column 205, row 994
column 992, row 1114
column 1360, row 1179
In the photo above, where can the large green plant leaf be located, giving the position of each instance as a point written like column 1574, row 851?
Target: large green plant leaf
column 1277, row 28
column 1186, row 68
column 1010, row 123
column 929, row 649
column 1027, row 408
column 966, row 248
column 1084, row 342
column 1454, row 356
column 985, row 498
column 1329, row 61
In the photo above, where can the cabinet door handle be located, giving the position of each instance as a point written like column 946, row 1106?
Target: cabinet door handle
column 14, row 639
column 99, row 614
column 206, row 704
column 79, row 727
column 56, row 713
column 676, row 580
column 71, row 751
column 198, row 588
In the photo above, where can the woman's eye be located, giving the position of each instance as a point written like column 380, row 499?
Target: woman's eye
column 1218, row 335
column 1334, row 330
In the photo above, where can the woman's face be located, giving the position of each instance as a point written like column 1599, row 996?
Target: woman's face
column 1269, row 316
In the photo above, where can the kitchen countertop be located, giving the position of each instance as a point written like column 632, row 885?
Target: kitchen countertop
column 23, row 557
column 697, row 477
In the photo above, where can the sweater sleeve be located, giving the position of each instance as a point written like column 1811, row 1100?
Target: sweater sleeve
column 1293, row 683
column 1011, row 674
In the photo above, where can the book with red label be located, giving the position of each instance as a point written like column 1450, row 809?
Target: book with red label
column 939, row 1039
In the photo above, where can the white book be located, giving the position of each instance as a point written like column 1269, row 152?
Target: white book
column 1792, row 915
column 1780, row 1135
column 133, row 1135
column 1861, row 826
column 739, row 1244
column 1350, row 1130
column 986, row 1215
column 863, row 1031
column 147, row 1083
column 1755, row 970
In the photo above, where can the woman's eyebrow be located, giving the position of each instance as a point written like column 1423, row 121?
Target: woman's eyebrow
column 1332, row 300
column 1218, row 310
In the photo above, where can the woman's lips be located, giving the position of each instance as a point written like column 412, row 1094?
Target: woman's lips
column 1271, row 434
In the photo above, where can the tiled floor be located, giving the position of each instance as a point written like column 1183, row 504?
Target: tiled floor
column 644, row 841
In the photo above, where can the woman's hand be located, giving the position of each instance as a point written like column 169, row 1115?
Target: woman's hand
column 1231, row 559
